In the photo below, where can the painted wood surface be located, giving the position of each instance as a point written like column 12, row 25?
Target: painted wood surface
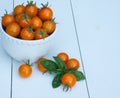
column 5, row 60
column 98, row 29
column 86, row 30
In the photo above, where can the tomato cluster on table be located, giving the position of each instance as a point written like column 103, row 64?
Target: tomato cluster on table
column 64, row 68
column 28, row 22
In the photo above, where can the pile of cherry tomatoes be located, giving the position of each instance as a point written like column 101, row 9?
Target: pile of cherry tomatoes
column 32, row 23
column 65, row 70
column 28, row 22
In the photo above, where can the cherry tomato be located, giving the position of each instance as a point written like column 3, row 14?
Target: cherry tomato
column 63, row 56
column 13, row 29
column 73, row 63
column 31, row 9
column 19, row 9
column 27, row 33
column 49, row 26
column 45, row 13
column 25, row 70
column 25, row 21
column 36, row 22
column 40, row 66
column 7, row 19
column 68, row 79
column 19, row 17
column 40, row 33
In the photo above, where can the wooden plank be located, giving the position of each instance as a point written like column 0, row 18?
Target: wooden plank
column 5, row 60
column 39, row 85
column 98, row 30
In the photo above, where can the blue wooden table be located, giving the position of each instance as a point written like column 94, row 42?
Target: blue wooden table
column 88, row 30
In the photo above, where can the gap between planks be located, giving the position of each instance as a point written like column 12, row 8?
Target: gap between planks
column 78, row 42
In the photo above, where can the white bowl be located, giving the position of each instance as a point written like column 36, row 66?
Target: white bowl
column 23, row 50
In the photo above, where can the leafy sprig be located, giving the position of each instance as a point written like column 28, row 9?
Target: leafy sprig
column 58, row 67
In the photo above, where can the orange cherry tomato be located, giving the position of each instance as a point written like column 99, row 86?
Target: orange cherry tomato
column 68, row 79
column 13, row 29
column 73, row 63
column 45, row 13
column 40, row 66
column 36, row 22
column 31, row 9
column 27, row 33
column 25, row 21
column 18, row 17
column 25, row 70
column 7, row 19
column 63, row 56
column 40, row 33
column 19, row 9
column 49, row 26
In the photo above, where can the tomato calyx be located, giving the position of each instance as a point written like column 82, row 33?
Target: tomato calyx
column 28, row 63
column 22, row 4
column 53, row 20
column 30, row 3
column 6, row 12
column 44, row 5
column 25, row 17
column 66, row 87
column 42, row 33
column 30, row 29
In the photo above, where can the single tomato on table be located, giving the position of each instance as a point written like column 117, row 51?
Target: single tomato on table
column 25, row 70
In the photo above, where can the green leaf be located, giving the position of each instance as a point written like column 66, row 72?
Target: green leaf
column 60, row 63
column 56, row 81
column 49, row 65
column 79, row 75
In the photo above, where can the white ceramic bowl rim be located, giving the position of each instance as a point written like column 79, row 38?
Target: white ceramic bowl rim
column 29, row 42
